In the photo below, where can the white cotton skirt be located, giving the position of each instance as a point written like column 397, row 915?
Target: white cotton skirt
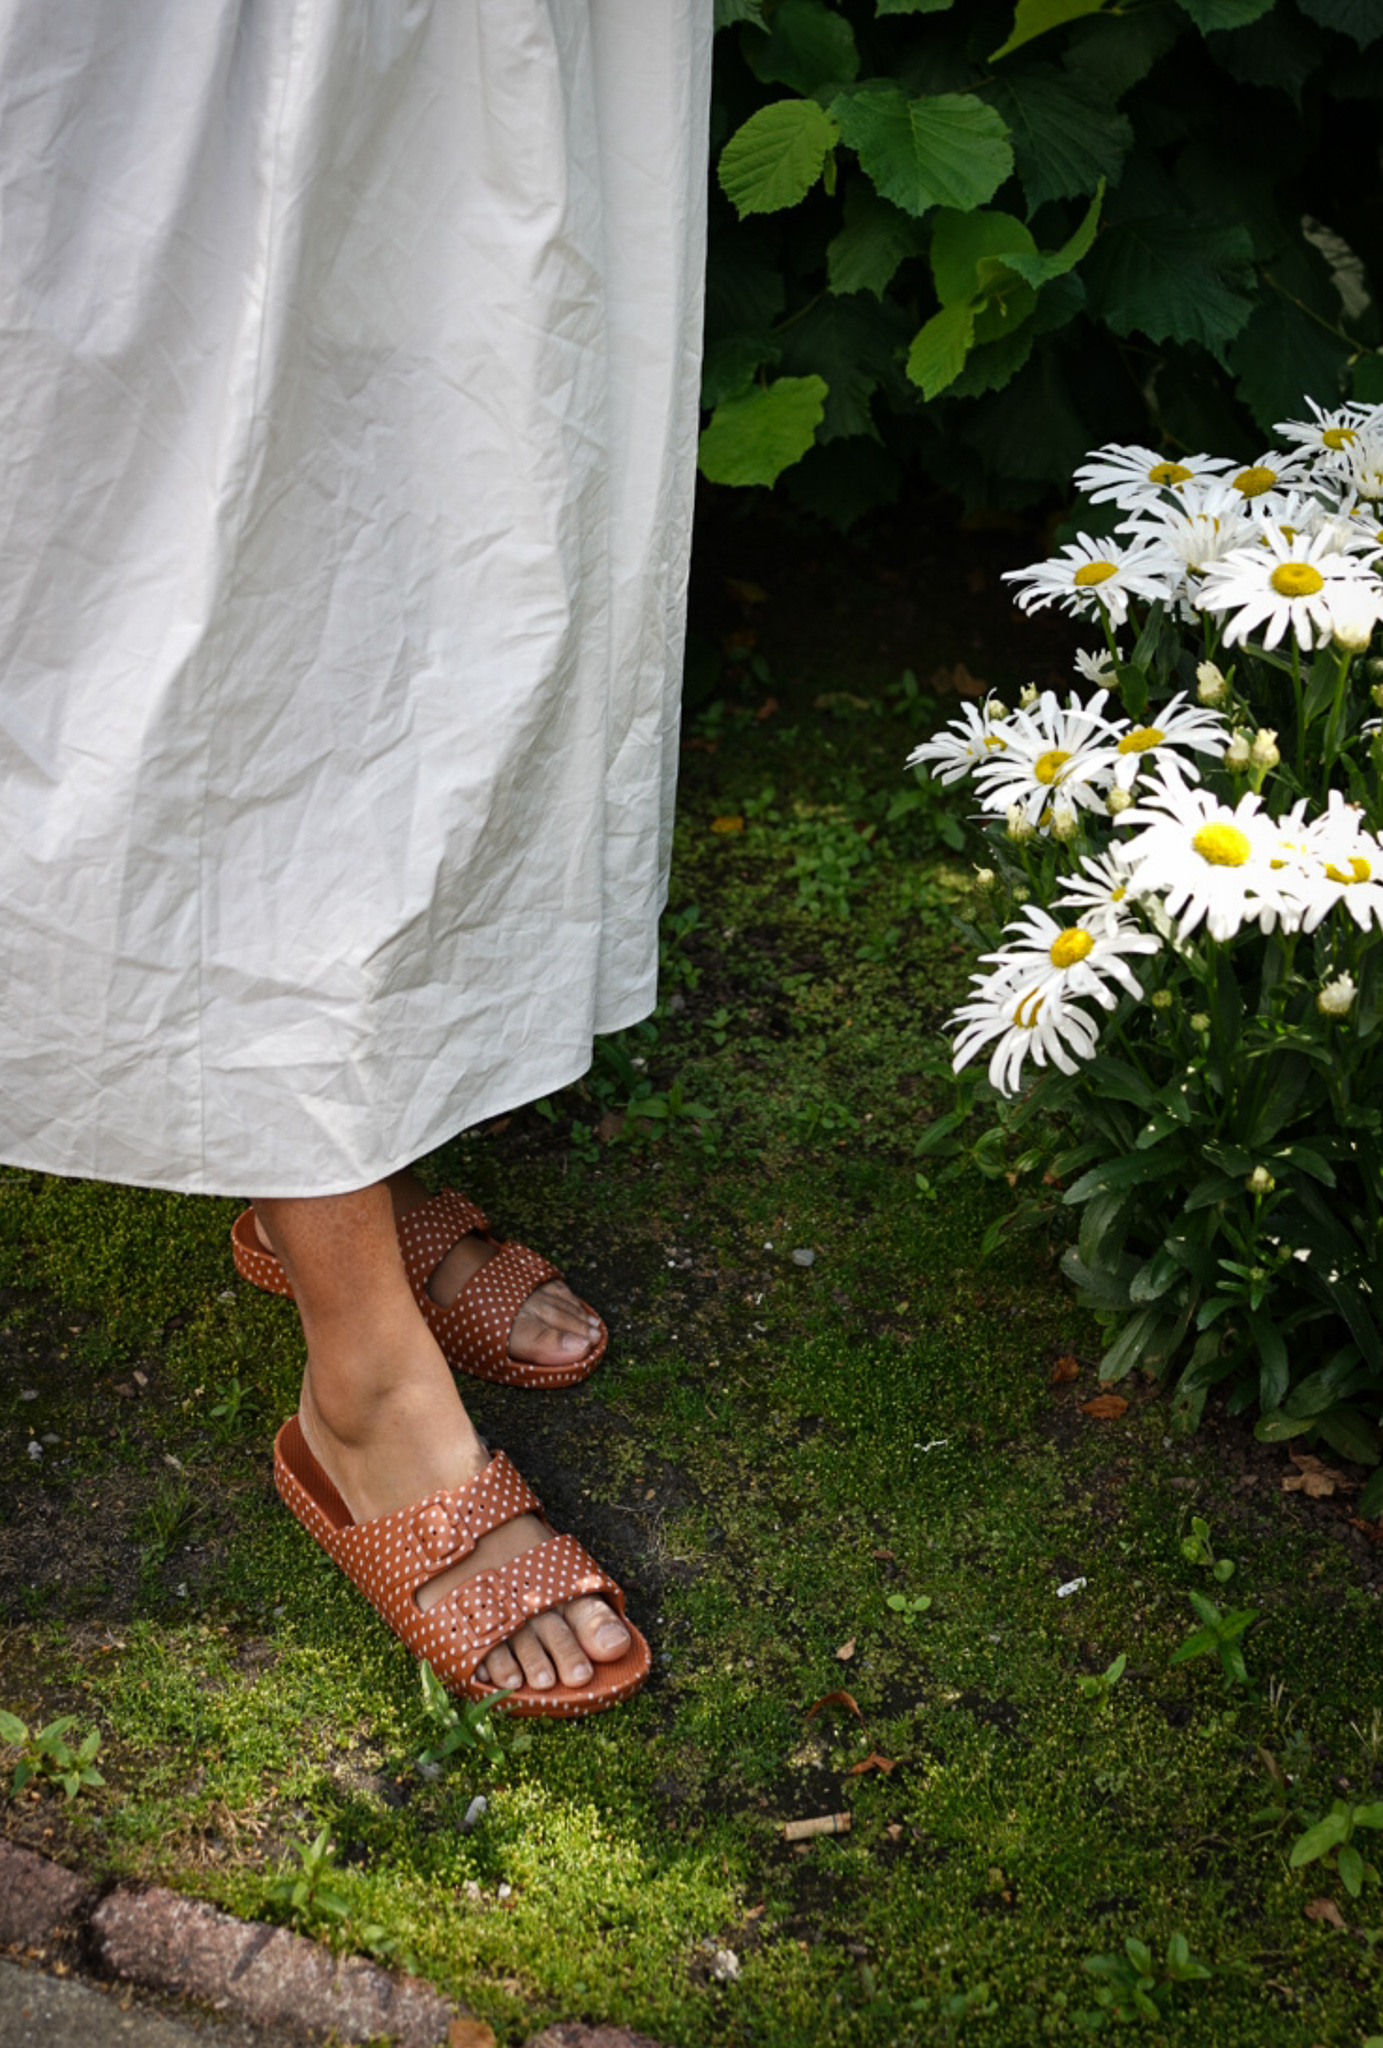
column 348, row 363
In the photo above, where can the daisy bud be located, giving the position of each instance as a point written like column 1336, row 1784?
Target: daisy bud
column 1064, row 822
column 1377, row 694
column 1210, row 684
column 1263, row 753
column 1353, row 616
column 1238, row 752
column 1374, row 670
column 1260, row 1181
column 995, row 707
column 1028, row 696
column 1118, row 800
column 984, row 878
column 1019, row 829
column 1161, row 999
column 1336, row 998
column 1199, row 1021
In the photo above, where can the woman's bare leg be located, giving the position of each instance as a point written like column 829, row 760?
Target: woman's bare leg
column 382, row 1416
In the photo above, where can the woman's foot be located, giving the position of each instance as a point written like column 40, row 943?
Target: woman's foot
column 381, row 1414
column 551, row 1328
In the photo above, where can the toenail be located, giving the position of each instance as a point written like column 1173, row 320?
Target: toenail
column 581, row 1674
column 543, row 1680
column 612, row 1637
column 571, row 1342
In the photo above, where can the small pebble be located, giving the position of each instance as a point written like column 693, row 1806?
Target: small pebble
column 28, row 1393
column 504, row 1891
column 474, row 1812
column 802, row 1257
column 34, row 1447
column 432, row 1772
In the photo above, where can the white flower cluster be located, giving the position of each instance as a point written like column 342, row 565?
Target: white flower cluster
column 1289, row 541
column 1191, row 859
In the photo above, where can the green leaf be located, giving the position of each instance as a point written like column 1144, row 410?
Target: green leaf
column 939, row 349
column 1371, row 1499
column 729, row 365
column 754, row 436
column 776, row 157
column 1318, row 1841
column 1116, row 51
column 809, row 46
column 1101, row 1289
column 1310, row 1162
column 1274, row 1368
column 1350, row 1865
column 1369, row 1816
column 865, row 254
column 1044, row 268
column 1131, row 1345
column 1350, row 1433
column 1066, row 136
column 1036, row 17
column 853, row 345
column 1209, row 15
column 1173, row 279
column 1279, row 1426
column 913, row 6
column 948, row 150
column 1280, row 357
column 1358, row 18
column 963, row 241
column 728, row 12
column 12, row 1729
column 1128, row 1172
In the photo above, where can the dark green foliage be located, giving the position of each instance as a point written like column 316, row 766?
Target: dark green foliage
column 978, row 239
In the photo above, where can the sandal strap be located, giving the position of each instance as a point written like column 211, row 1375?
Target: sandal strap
column 476, row 1325
column 486, row 1609
column 393, row 1556
column 427, row 1233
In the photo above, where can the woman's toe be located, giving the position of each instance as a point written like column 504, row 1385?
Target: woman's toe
column 598, row 1629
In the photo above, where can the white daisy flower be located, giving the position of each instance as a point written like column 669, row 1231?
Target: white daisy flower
column 1355, row 612
column 1273, row 471
column 1091, row 576
column 1097, row 668
column 1049, row 751
column 1279, row 584
column 1326, row 433
column 1101, row 893
column 1348, row 526
column 1360, row 468
column 1339, row 861
column 963, row 743
column 1211, row 863
column 1204, row 524
column 1027, row 1024
column 1134, row 476
column 1177, row 724
column 1040, row 976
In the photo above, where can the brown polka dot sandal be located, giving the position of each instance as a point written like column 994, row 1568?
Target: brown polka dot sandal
column 473, row 1330
column 390, row 1559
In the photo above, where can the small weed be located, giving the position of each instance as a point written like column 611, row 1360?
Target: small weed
column 1132, row 1987
column 901, row 1603
column 308, row 1898
column 468, row 1726
column 674, row 967
column 1196, row 1549
column 236, row 1397
column 47, row 1754
column 1334, row 1836
column 1101, row 1686
column 1219, row 1634
column 165, row 1522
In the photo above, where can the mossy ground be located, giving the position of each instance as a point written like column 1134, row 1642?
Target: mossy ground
column 773, row 1450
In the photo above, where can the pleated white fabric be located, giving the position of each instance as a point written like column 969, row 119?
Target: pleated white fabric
column 348, row 356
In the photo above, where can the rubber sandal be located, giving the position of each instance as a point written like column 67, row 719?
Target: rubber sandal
column 391, row 1558
column 473, row 1330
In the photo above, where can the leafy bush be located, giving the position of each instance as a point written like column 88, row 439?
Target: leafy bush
column 977, row 238
column 1216, row 872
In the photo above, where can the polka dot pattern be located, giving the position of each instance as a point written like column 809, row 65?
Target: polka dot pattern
column 473, row 1330
column 391, row 1558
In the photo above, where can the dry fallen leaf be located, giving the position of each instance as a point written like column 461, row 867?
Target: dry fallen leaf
column 1373, row 1530
column 766, row 709
column 887, row 1555
column 610, row 1125
column 1105, row 1407
column 1065, row 1368
column 836, row 1699
column 873, row 1762
column 958, row 680
column 846, row 1651
column 894, row 1831
column 1316, row 1480
column 727, row 824
column 1327, row 1910
column 470, row 2034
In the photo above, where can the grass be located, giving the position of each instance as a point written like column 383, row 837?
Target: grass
column 776, row 1449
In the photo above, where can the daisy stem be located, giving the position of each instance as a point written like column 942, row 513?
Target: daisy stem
column 1300, row 707
column 1331, row 746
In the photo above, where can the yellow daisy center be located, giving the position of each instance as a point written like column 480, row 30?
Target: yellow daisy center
column 1118, row 895
column 992, row 739
column 1094, row 572
column 1047, row 767
column 1254, row 481
column 1223, row 846
column 1068, row 947
column 1170, row 473
column 1027, row 1012
column 1359, row 870
column 1338, row 437
column 1296, row 579
column 1141, row 738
